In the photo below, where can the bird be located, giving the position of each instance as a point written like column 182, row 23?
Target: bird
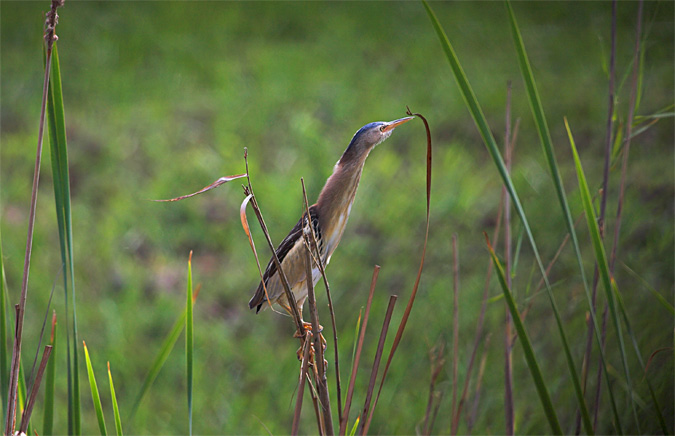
column 328, row 216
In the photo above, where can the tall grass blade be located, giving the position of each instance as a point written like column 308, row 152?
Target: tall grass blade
column 601, row 259
column 530, row 358
column 189, row 343
column 94, row 393
column 547, row 145
column 159, row 361
column 354, row 427
column 116, row 409
column 61, row 180
column 50, row 38
column 485, row 132
column 48, row 413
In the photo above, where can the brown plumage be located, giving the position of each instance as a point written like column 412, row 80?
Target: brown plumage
column 329, row 218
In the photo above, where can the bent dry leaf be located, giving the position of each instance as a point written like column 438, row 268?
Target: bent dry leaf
column 220, row 181
column 247, row 230
column 408, row 309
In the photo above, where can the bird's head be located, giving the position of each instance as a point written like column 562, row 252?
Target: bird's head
column 367, row 137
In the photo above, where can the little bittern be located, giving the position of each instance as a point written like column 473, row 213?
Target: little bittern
column 328, row 216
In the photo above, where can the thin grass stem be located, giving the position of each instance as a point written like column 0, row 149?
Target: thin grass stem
column 50, row 38
column 455, row 319
column 376, row 363
column 319, row 363
column 301, row 387
column 28, row 411
column 357, row 356
column 322, row 270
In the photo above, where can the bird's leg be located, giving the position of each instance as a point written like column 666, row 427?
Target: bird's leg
column 307, row 327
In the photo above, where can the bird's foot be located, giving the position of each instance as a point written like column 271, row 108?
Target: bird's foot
column 308, row 329
column 307, row 326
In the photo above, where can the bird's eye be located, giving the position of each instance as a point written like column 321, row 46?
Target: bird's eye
column 382, row 128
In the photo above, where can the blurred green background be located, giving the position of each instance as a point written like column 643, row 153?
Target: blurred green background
column 162, row 97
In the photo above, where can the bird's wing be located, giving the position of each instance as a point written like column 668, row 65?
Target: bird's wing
column 289, row 241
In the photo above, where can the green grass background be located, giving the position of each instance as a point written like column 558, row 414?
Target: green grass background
column 162, row 98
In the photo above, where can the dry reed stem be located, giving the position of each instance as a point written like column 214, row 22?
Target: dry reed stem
column 28, row 411
column 471, row 416
column 622, row 186
column 295, row 313
column 322, row 270
column 319, row 363
column 301, row 388
column 377, row 360
column 603, row 205
column 357, row 357
column 437, row 362
column 479, row 326
column 49, row 37
column 455, row 319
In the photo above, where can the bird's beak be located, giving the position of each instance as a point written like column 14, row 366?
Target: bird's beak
column 393, row 124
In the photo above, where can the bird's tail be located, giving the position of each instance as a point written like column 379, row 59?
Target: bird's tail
column 258, row 299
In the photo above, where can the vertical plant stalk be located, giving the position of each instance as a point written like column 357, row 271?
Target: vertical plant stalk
column 116, row 409
column 189, row 343
column 635, row 90
column 95, row 395
column 50, row 37
column 28, row 411
column 315, row 401
column 508, row 372
column 528, row 351
column 609, row 128
column 4, row 371
column 376, row 366
column 479, row 330
column 295, row 313
column 319, row 363
column 301, row 387
column 601, row 258
column 322, row 270
column 455, row 319
column 437, row 362
column 471, row 414
column 627, row 136
column 357, row 357
column 48, row 417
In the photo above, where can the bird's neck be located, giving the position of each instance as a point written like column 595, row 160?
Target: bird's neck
column 335, row 201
